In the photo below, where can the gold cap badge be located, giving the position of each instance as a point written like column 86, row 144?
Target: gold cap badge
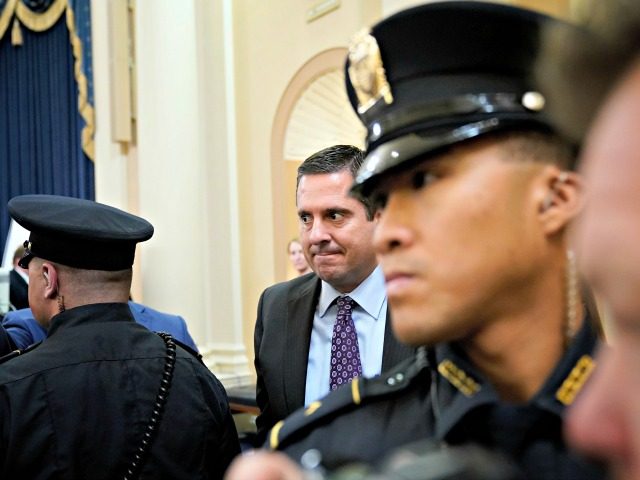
column 366, row 72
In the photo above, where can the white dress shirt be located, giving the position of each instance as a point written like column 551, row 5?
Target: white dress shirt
column 369, row 317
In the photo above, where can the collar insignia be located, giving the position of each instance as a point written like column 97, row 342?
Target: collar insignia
column 366, row 72
column 574, row 382
column 458, row 378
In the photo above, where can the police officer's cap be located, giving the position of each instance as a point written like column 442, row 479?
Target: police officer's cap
column 78, row 233
column 442, row 73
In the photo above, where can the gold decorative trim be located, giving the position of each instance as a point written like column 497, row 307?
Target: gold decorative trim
column 16, row 33
column 576, row 379
column 458, row 378
column 39, row 22
column 273, row 436
column 84, row 107
column 355, row 391
column 6, row 15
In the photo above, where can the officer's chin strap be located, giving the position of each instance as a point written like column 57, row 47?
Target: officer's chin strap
column 571, row 300
column 134, row 467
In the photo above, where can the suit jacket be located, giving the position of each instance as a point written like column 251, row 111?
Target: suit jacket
column 281, row 340
column 24, row 330
column 18, row 291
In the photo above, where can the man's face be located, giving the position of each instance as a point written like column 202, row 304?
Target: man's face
column 606, row 419
column 334, row 231
column 458, row 242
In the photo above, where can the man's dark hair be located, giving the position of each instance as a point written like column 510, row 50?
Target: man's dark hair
column 577, row 68
column 335, row 159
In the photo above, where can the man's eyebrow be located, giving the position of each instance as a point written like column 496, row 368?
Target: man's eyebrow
column 338, row 210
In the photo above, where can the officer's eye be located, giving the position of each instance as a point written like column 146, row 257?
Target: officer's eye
column 335, row 216
column 422, row 178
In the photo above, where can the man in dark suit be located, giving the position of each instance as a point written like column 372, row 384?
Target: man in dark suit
column 18, row 282
column 296, row 322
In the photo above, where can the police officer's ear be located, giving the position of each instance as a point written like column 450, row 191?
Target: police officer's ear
column 50, row 278
column 561, row 199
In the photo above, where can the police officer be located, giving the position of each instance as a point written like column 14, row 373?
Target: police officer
column 103, row 397
column 476, row 193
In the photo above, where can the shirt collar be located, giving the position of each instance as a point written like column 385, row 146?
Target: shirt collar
column 370, row 295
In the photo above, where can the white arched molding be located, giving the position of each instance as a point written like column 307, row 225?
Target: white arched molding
column 313, row 113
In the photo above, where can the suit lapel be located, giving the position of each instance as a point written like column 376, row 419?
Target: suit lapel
column 301, row 306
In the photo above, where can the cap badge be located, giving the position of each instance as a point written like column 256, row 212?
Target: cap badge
column 366, row 72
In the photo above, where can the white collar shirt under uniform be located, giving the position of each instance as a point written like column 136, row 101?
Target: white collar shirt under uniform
column 369, row 317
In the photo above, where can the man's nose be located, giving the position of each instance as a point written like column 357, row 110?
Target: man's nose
column 319, row 232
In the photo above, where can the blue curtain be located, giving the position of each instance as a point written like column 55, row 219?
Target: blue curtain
column 41, row 125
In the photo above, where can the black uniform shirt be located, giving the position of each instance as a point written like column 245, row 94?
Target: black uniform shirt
column 440, row 395
column 76, row 406
column 469, row 410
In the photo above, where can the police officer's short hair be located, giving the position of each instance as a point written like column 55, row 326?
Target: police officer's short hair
column 537, row 146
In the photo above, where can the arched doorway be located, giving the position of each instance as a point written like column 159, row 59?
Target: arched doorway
column 313, row 113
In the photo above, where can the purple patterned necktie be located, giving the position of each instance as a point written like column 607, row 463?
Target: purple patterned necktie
column 345, row 354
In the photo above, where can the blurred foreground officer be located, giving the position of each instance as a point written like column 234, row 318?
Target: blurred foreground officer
column 475, row 194
column 605, row 422
column 103, row 397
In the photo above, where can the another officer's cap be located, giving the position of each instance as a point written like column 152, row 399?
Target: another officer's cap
column 442, row 73
column 78, row 233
